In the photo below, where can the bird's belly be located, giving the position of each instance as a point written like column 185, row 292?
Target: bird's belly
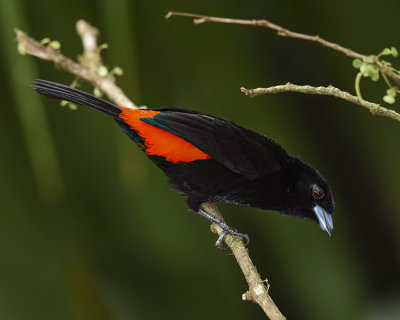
column 211, row 181
column 201, row 176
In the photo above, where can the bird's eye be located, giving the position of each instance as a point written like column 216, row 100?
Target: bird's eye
column 317, row 192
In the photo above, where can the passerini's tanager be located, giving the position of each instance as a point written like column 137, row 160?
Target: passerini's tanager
column 211, row 159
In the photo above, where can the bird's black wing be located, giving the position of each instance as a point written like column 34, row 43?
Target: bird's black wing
column 243, row 151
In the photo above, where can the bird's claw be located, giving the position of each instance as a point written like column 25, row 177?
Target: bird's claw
column 225, row 229
column 220, row 241
column 234, row 232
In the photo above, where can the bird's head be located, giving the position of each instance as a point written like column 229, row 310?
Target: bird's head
column 310, row 196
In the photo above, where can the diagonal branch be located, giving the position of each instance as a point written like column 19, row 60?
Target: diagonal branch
column 283, row 32
column 105, row 84
column 258, row 289
column 374, row 108
column 88, row 69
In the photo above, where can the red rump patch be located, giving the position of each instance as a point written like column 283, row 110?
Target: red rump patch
column 159, row 142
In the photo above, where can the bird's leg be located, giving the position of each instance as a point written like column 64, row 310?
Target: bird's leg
column 226, row 229
column 220, row 240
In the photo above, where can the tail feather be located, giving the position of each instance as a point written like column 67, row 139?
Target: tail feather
column 59, row 91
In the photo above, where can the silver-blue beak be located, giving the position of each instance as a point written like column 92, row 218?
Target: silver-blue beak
column 324, row 219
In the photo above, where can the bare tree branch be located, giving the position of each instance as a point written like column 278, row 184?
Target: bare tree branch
column 374, row 108
column 105, row 84
column 386, row 70
column 88, row 69
column 258, row 289
column 283, row 32
column 89, row 35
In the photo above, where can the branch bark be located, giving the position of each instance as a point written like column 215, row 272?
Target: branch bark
column 283, row 32
column 258, row 288
column 374, row 108
column 105, row 84
column 88, row 69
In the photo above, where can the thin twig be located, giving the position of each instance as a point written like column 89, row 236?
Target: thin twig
column 105, row 84
column 374, row 108
column 258, row 292
column 91, row 58
column 89, row 35
column 283, row 32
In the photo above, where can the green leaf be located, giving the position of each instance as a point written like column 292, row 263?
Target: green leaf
column 364, row 69
column 97, row 92
column 375, row 77
column 118, row 71
column 368, row 70
column 102, row 47
column 389, row 99
column 103, row 71
column 368, row 60
column 357, row 63
column 45, row 41
column 386, row 63
column 21, row 48
column 391, row 92
column 55, row 44
column 386, row 51
column 72, row 106
column 63, row 103
column 395, row 53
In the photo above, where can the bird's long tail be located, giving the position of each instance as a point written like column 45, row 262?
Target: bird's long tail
column 59, row 91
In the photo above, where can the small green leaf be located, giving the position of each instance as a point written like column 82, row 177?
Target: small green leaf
column 357, row 63
column 364, row 69
column 103, row 71
column 118, row 71
column 375, row 77
column 389, row 99
column 386, row 63
column 368, row 70
column 63, row 103
column 72, row 106
column 45, row 41
column 97, row 92
column 21, row 48
column 391, row 92
column 386, row 51
column 368, row 60
column 55, row 44
column 395, row 53
column 102, row 47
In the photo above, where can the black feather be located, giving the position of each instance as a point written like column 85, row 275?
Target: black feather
column 243, row 151
column 59, row 91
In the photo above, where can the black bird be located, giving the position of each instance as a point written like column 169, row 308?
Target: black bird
column 212, row 159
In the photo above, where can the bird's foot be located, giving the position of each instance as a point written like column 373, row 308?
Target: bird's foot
column 231, row 231
column 226, row 230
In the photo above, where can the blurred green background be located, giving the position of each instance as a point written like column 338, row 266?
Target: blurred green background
column 89, row 228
